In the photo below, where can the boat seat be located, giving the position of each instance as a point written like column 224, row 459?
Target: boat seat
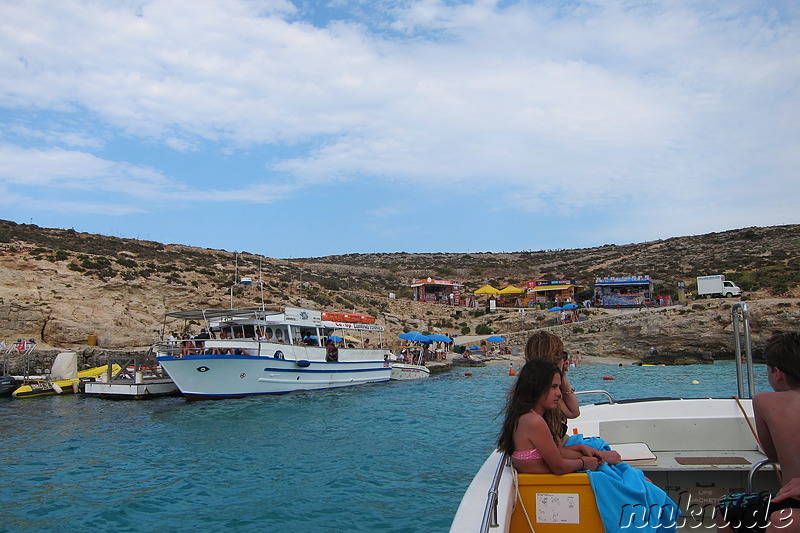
column 681, row 434
column 556, row 504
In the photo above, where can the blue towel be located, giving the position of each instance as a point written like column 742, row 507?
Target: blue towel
column 626, row 500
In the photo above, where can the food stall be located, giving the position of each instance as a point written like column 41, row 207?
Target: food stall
column 546, row 294
column 439, row 291
column 623, row 291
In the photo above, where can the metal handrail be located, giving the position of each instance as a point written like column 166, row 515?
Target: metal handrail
column 752, row 473
column 490, row 511
column 603, row 392
column 741, row 313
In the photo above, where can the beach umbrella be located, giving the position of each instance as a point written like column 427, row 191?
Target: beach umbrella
column 495, row 338
column 335, row 338
column 570, row 306
column 556, row 308
column 414, row 336
column 511, row 290
column 487, row 289
column 436, row 337
column 348, row 338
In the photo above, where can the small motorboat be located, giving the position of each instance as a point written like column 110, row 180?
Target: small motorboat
column 64, row 378
column 414, row 368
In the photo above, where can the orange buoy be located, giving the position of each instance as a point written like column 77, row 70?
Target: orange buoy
column 512, row 372
column 467, row 374
column 607, row 377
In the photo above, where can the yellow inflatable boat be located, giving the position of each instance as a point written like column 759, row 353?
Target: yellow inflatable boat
column 44, row 387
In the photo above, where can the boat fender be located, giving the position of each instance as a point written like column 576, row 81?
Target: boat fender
column 303, row 363
column 57, row 388
column 75, row 387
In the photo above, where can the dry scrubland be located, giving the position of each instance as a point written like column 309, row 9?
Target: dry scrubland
column 60, row 286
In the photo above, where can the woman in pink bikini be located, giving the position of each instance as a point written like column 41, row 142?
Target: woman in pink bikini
column 526, row 435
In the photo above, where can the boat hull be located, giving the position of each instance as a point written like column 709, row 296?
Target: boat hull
column 402, row 372
column 235, row 376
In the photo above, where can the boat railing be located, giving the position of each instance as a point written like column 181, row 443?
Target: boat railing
column 490, row 511
column 603, row 392
column 744, row 363
column 133, row 367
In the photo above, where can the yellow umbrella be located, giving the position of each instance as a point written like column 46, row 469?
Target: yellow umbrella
column 511, row 290
column 348, row 338
column 487, row 289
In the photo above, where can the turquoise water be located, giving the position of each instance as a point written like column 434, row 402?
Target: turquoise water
column 387, row 457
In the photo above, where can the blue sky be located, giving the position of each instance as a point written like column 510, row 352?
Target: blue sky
column 312, row 128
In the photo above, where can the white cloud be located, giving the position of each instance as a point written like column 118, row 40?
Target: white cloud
column 575, row 105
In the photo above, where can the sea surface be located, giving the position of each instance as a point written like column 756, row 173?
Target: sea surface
column 392, row 457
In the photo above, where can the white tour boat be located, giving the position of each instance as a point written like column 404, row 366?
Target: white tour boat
column 269, row 351
column 695, row 449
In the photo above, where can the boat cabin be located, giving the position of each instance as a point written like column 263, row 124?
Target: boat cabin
column 288, row 325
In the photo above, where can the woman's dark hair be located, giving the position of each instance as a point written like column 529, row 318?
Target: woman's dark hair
column 532, row 383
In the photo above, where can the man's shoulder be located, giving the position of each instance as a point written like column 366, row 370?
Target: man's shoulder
column 781, row 399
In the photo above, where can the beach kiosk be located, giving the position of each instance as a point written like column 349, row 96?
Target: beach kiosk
column 546, row 294
column 623, row 291
column 437, row 291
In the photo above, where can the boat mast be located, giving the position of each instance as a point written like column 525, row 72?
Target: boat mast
column 235, row 276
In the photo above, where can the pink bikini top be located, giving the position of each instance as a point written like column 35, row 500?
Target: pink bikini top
column 527, row 455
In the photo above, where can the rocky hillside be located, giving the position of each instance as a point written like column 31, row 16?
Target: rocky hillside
column 61, row 286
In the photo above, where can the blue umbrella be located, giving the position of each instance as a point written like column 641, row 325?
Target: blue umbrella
column 414, row 336
column 570, row 306
column 440, row 338
column 495, row 338
column 556, row 308
column 335, row 338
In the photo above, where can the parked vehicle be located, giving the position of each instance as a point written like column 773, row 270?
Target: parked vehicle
column 716, row 286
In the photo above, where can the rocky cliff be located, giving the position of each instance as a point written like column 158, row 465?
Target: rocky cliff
column 61, row 287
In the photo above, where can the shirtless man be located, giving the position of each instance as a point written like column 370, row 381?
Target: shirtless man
column 777, row 417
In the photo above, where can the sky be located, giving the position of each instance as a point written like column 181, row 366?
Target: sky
column 304, row 129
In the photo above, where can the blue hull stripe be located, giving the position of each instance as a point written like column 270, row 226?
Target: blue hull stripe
column 326, row 371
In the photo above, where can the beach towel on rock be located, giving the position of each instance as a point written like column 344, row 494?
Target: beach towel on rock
column 626, row 500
